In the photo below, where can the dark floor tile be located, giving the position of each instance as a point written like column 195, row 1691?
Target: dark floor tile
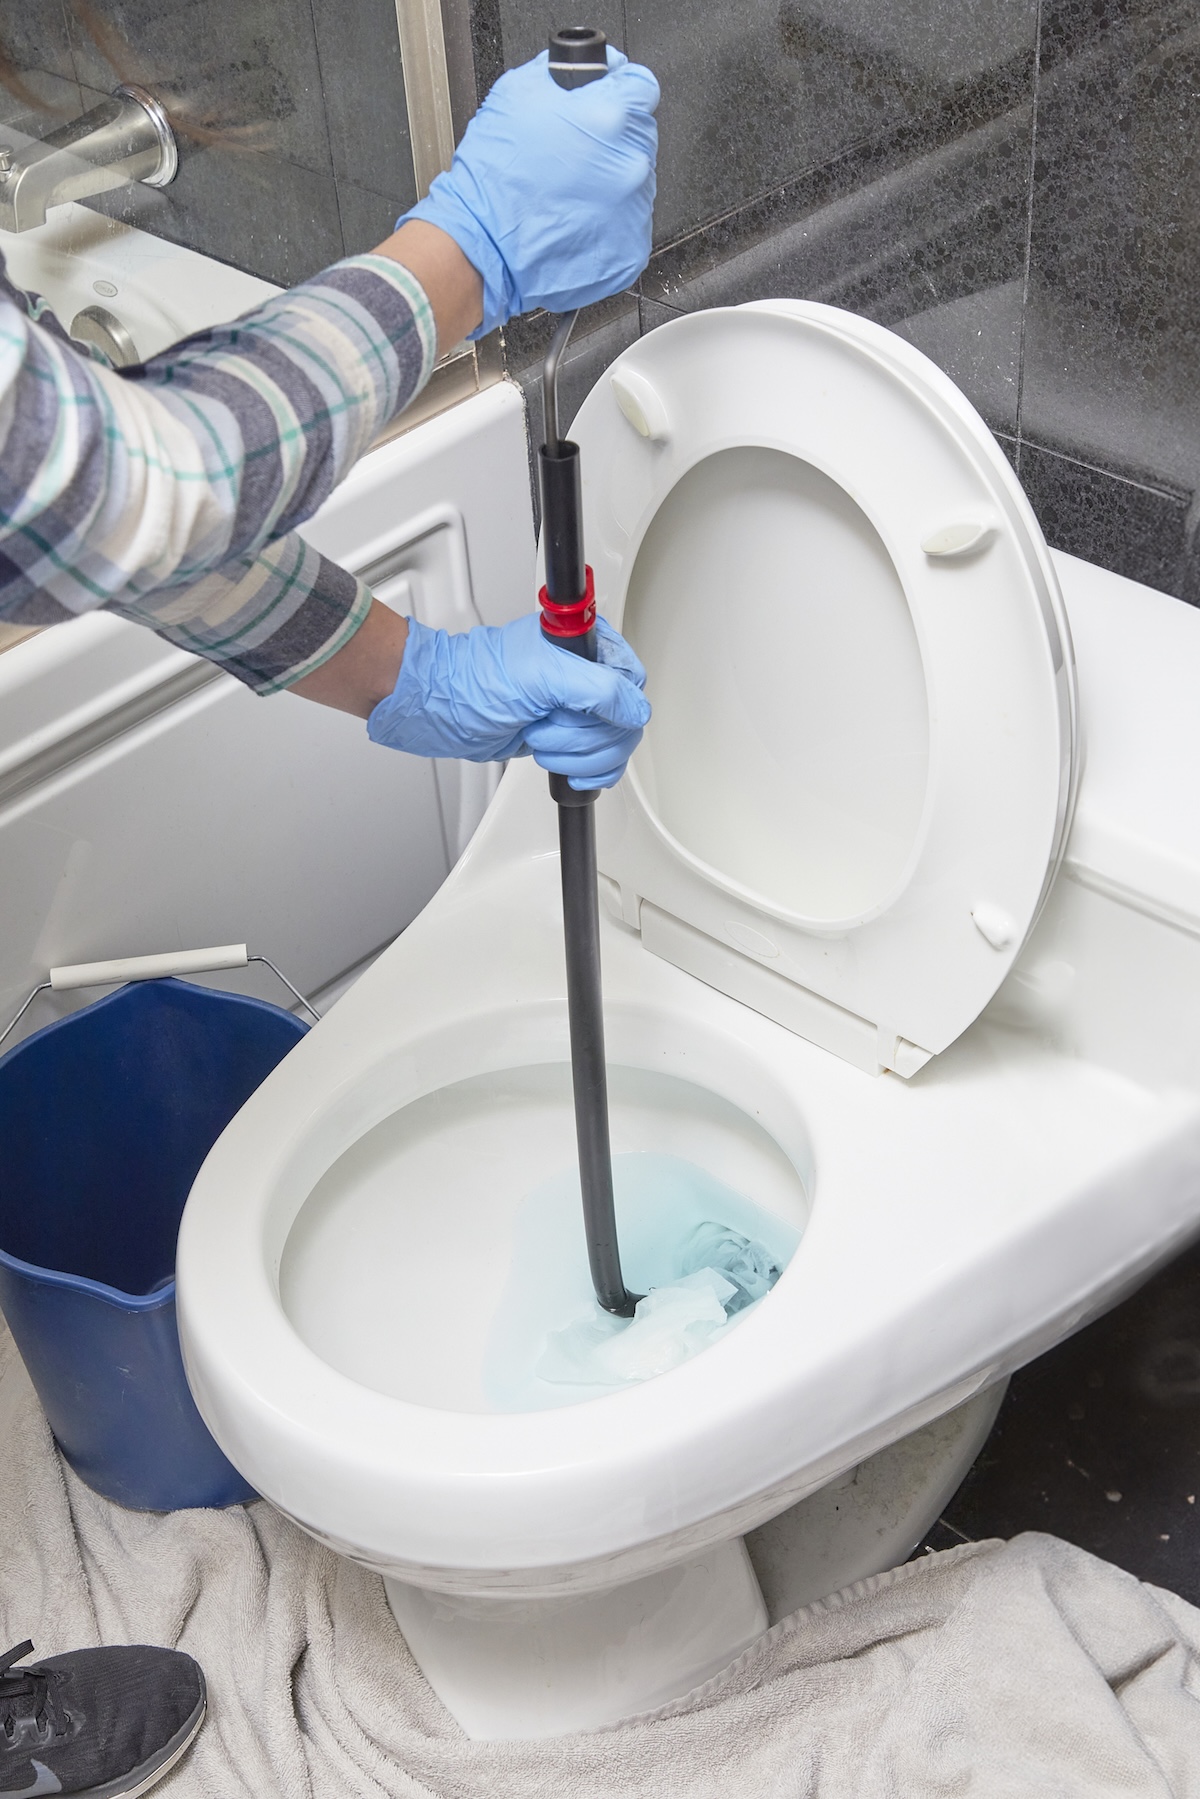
column 1099, row 1441
column 358, row 46
column 1135, row 530
column 940, row 1535
column 756, row 92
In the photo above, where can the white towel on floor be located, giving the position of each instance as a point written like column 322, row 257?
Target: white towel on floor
column 997, row 1671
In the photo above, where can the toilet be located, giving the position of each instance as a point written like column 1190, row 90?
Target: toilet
column 901, row 941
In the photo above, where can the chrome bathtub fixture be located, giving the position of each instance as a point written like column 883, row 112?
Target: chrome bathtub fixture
column 125, row 138
column 103, row 330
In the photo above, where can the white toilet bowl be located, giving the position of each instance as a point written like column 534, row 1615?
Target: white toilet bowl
column 346, row 1248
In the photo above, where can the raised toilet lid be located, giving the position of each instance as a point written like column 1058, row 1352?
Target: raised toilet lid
column 855, row 791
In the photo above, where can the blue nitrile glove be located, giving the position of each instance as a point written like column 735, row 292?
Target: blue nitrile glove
column 502, row 690
column 551, row 191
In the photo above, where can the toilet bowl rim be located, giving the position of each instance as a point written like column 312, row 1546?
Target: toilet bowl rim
column 238, row 1340
column 229, row 1379
column 232, row 1322
column 255, row 1182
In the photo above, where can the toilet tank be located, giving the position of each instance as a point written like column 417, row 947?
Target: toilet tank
column 1111, row 972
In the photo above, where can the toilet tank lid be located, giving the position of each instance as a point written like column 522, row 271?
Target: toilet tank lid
column 1136, row 831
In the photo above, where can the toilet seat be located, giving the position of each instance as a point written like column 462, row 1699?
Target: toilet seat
column 855, row 793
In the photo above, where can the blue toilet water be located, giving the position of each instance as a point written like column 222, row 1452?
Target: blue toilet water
column 105, row 1118
column 550, row 1345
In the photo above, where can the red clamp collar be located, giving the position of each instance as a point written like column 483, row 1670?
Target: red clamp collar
column 575, row 620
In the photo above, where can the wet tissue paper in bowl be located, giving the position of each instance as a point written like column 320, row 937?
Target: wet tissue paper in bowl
column 552, row 1345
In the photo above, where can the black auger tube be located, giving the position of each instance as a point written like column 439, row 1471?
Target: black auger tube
column 578, row 55
column 585, row 1015
column 585, row 1011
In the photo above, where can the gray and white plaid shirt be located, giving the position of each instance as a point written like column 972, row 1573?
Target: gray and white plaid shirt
column 171, row 493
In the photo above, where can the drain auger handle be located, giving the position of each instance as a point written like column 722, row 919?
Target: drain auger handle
column 578, row 55
column 568, row 603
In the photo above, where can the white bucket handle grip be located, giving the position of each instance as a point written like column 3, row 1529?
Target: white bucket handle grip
column 152, row 968
column 149, row 968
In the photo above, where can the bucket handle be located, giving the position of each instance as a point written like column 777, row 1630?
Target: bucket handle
column 152, row 968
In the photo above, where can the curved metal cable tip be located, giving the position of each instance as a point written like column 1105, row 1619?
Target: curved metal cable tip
column 558, row 344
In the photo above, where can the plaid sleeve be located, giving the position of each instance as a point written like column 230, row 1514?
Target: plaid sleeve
column 170, row 493
column 269, row 619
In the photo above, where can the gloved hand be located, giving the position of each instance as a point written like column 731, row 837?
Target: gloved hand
column 502, row 691
column 550, row 192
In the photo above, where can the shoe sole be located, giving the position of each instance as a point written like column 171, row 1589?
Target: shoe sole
column 149, row 1773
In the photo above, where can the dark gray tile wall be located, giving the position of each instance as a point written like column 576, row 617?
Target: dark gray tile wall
column 1112, row 349
column 290, row 115
column 1138, row 529
column 37, row 72
column 1011, row 185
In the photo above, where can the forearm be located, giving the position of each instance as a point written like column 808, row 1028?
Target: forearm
column 339, row 357
column 298, row 608
column 365, row 670
column 172, row 492
column 284, row 402
column 114, row 489
column 454, row 289
column 165, row 497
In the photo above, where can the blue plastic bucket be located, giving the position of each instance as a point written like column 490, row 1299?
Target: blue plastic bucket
column 105, row 1118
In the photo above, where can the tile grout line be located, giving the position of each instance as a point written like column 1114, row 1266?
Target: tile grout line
column 772, row 193
column 1159, row 491
column 1025, row 284
column 337, row 193
column 65, row 15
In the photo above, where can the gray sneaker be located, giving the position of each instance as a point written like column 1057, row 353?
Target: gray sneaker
column 105, row 1723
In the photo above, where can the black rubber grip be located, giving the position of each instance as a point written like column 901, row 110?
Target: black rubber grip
column 562, row 506
column 578, row 55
